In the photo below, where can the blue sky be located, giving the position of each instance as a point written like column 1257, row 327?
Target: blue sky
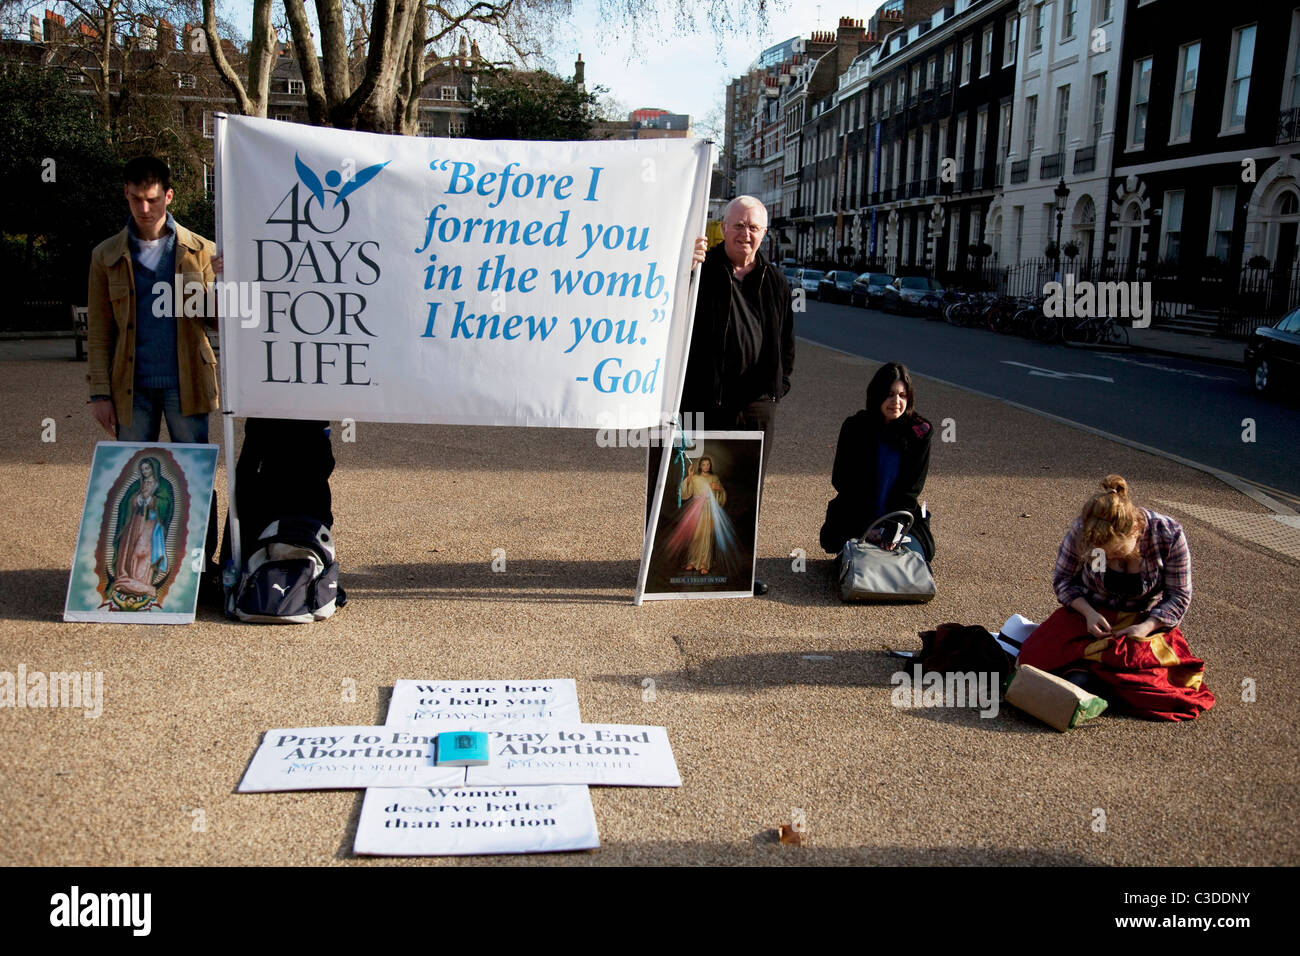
column 686, row 73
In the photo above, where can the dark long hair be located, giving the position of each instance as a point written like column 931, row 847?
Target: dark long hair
column 881, row 383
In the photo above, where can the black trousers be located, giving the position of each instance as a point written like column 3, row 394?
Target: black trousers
column 758, row 416
column 283, row 470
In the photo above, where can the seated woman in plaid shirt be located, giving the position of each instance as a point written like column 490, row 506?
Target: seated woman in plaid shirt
column 1124, row 578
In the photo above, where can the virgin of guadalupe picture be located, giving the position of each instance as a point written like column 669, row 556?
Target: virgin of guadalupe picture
column 703, row 543
column 142, row 531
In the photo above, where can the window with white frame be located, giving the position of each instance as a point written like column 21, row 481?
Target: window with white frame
column 207, row 124
column 1004, row 140
column 1036, row 33
column 456, row 127
column 297, row 87
column 1239, row 67
column 1020, row 230
column 929, row 73
column 947, row 64
column 1031, row 124
column 449, row 93
column 283, row 117
column 942, row 143
column 1011, row 40
column 954, row 237
column 1171, row 226
column 981, row 135
column 960, row 143
column 916, row 79
column 925, row 153
column 209, row 180
column 426, row 127
column 1098, row 106
column 186, row 81
column 1221, row 218
column 1101, row 10
column 986, row 51
column 914, row 158
column 1189, row 61
column 1069, row 18
column 967, row 50
column 1137, row 134
column 1062, row 117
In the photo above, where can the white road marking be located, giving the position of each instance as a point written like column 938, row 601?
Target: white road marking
column 1051, row 373
column 1165, row 368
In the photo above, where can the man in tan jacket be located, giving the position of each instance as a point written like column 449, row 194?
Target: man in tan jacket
column 149, row 353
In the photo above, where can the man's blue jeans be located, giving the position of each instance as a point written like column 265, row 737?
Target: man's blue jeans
column 148, row 408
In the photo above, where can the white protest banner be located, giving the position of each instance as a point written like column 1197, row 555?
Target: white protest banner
column 532, row 753
column 455, row 281
column 346, row 758
column 441, row 822
column 430, row 702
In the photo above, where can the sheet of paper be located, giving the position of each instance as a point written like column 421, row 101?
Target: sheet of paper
column 457, row 703
column 475, row 820
column 346, row 758
column 532, row 753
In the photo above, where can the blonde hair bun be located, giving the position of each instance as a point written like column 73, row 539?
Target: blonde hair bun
column 1117, row 484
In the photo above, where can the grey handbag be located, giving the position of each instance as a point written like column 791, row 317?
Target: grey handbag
column 870, row 573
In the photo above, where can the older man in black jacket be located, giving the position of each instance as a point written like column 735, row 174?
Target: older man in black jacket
column 742, row 345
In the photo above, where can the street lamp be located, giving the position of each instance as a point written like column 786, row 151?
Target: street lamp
column 1062, row 193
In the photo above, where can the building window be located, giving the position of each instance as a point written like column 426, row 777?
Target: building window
column 981, row 136
column 1036, row 34
column 1291, row 97
column 1239, row 66
column 929, row 73
column 1172, row 226
column 186, row 81
column 1221, row 232
column 1141, row 94
column 961, row 143
column 914, row 156
column 916, row 80
column 942, row 143
column 1020, row 230
column 1012, row 39
column 426, row 127
column 1069, row 16
column 297, row 87
column 1101, row 10
column 450, row 93
column 209, row 180
column 947, row 64
column 207, row 124
column 1031, row 121
column 1004, row 140
column 1098, row 106
column 967, row 50
column 456, row 127
column 1062, row 117
column 925, row 153
column 986, row 51
column 1189, row 60
column 283, row 117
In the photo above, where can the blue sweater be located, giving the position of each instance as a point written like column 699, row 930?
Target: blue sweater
column 155, row 324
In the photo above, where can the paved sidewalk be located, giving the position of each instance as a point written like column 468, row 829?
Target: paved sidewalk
column 1206, row 348
column 770, row 704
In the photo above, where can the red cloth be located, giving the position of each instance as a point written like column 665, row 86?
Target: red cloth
column 1156, row 678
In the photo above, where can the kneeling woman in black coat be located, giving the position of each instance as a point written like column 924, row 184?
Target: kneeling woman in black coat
column 881, row 461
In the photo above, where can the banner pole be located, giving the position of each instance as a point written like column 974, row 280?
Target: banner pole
column 225, row 332
column 701, row 219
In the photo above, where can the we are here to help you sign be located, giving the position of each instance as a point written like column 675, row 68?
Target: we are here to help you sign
column 407, row 279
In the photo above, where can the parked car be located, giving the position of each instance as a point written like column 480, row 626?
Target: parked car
column 791, row 273
column 912, row 294
column 836, row 286
column 1273, row 353
column 808, row 279
column 869, row 289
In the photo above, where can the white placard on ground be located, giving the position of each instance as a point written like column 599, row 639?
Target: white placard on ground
column 346, row 758
column 426, row 703
column 533, row 753
column 474, row 820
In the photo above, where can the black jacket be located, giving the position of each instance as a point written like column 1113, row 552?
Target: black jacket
column 854, row 477
column 708, row 381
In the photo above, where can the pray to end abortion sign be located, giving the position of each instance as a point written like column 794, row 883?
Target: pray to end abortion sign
column 522, row 753
column 409, row 279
